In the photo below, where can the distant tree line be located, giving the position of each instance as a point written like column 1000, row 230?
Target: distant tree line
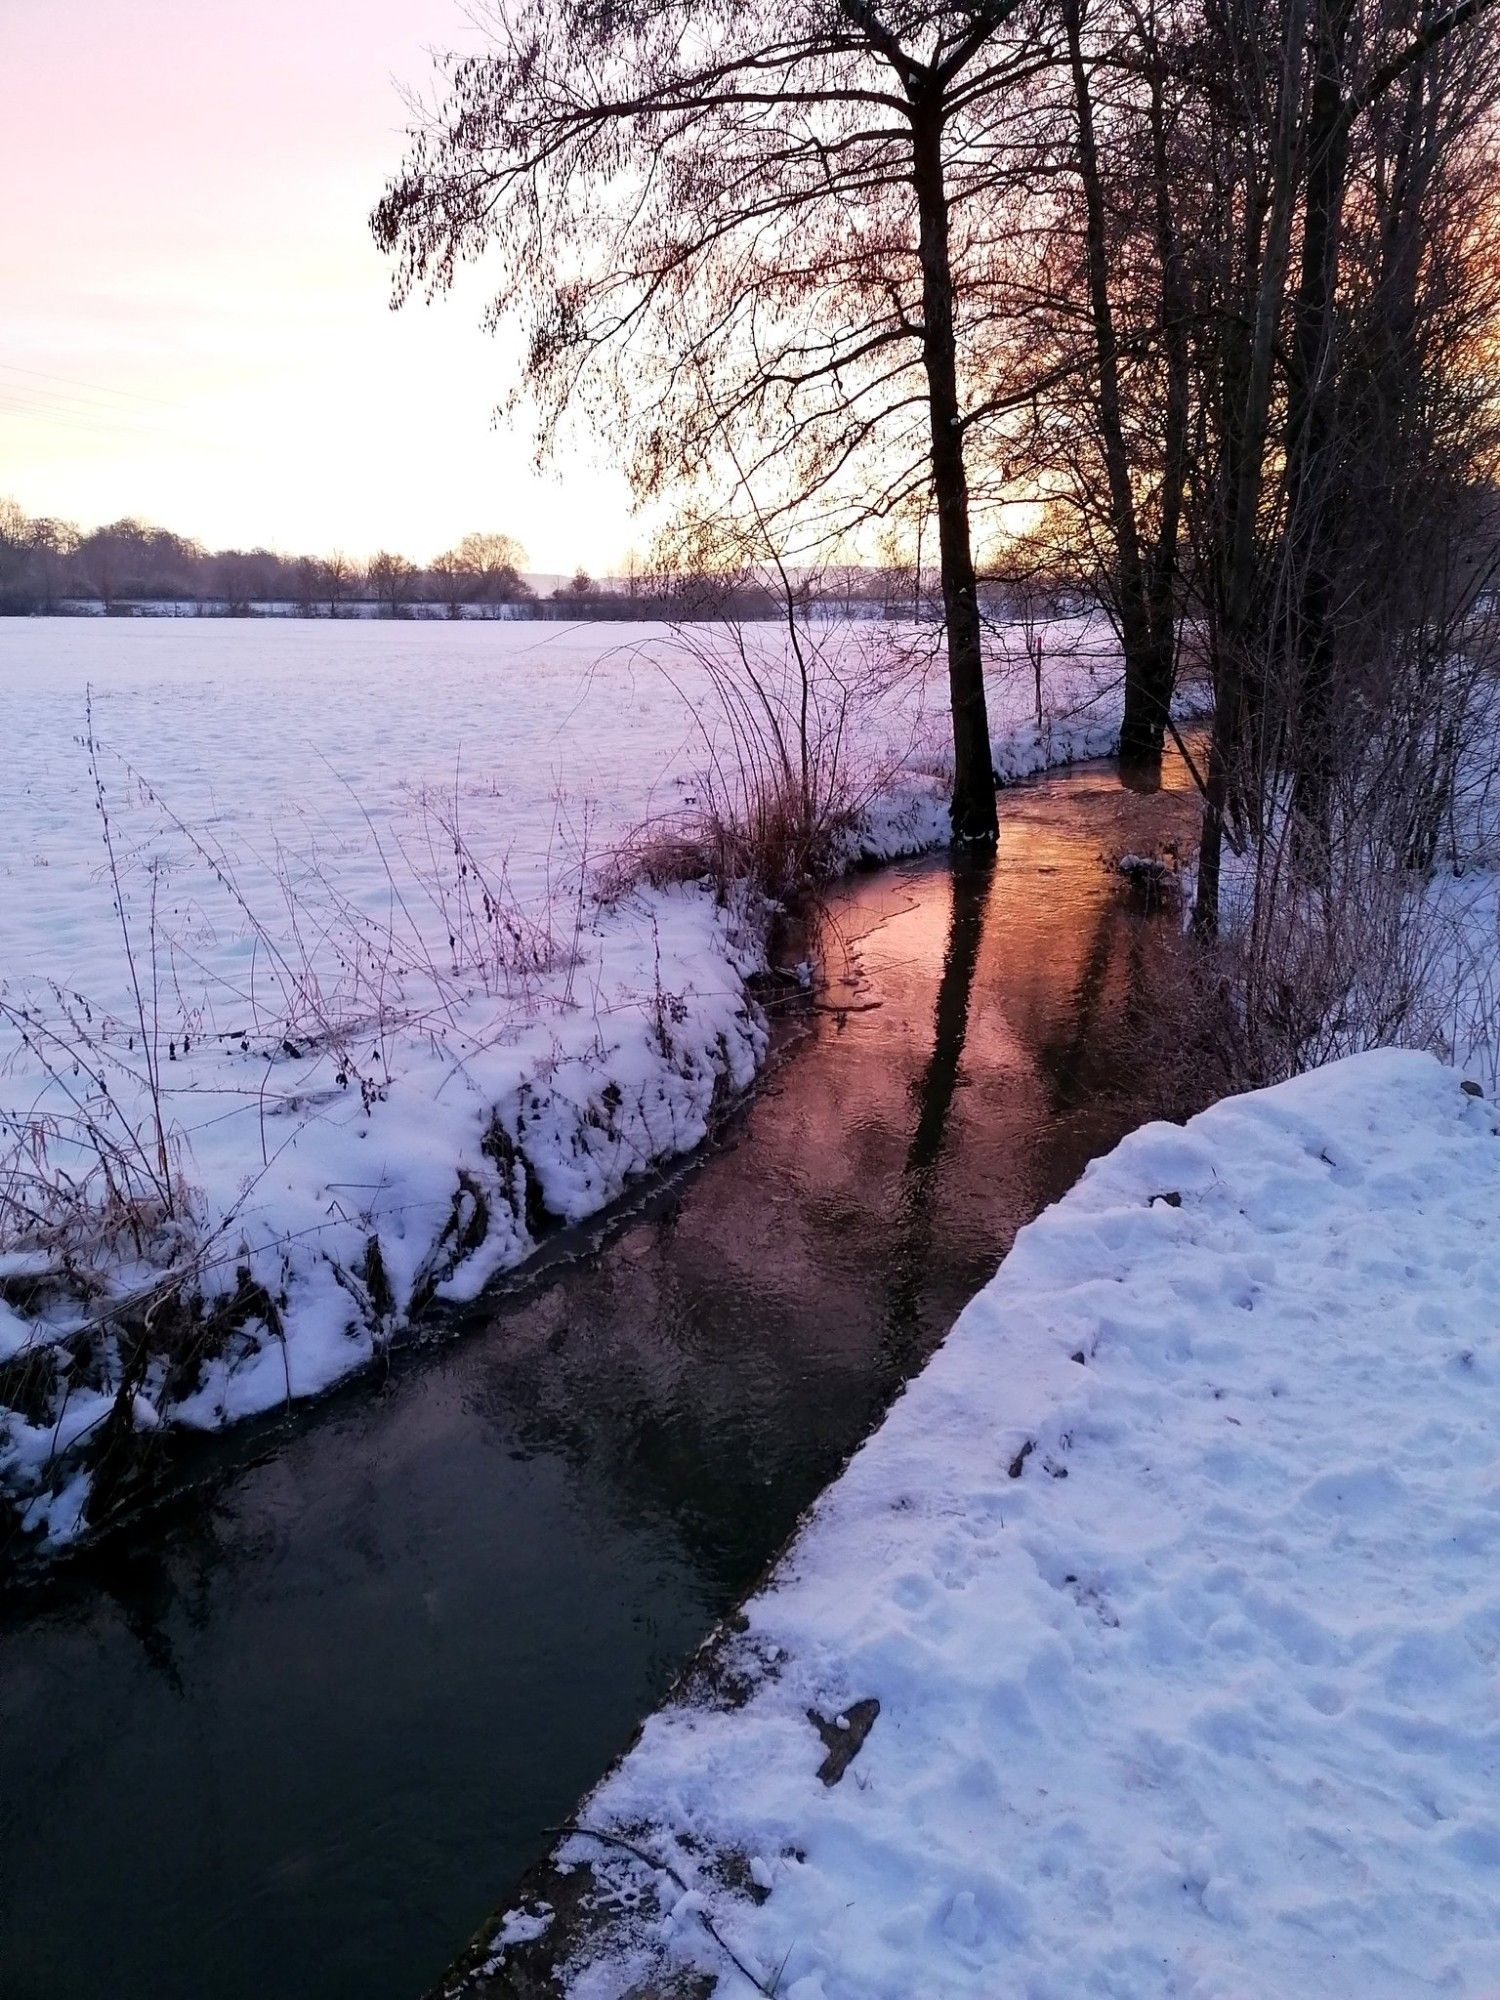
column 1212, row 287
column 51, row 565
column 132, row 568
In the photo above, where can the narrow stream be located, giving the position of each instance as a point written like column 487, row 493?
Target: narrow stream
column 296, row 1739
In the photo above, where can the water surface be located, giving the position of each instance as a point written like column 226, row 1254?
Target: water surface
column 294, row 1738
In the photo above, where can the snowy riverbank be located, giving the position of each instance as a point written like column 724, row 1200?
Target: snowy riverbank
column 1174, row 1579
column 335, row 1024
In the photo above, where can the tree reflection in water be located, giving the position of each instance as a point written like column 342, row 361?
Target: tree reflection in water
column 298, row 1740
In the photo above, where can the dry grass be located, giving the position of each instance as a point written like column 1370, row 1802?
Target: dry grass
column 785, row 776
column 123, row 1267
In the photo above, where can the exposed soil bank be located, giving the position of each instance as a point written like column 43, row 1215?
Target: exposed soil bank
column 297, row 1744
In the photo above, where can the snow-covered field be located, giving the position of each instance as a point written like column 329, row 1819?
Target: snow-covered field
column 1176, row 1578
column 315, row 1002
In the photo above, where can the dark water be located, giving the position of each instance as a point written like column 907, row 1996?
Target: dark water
column 297, row 1740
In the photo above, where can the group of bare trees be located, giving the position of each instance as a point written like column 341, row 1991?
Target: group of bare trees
column 47, row 564
column 1257, row 291
column 1345, row 538
column 1202, row 294
column 742, row 231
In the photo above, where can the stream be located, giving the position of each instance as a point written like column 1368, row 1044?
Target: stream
column 293, row 1737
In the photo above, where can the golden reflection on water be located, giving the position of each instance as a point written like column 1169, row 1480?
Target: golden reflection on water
column 405, row 1637
column 979, row 1042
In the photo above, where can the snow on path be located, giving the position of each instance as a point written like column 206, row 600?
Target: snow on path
column 1176, row 1576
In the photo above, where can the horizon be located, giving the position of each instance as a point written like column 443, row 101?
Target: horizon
column 625, row 568
column 841, row 1127
column 200, row 333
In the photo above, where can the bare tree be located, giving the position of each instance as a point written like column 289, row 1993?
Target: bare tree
column 495, row 563
column 453, row 580
column 755, row 236
column 15, row 557
column 392, row 580
column 307, row 586
column 234, row 580
column 338, row 581
column 53, row 544
column 481, row 569
column 1034, row 587
column 1345, row 284
column 1109, row 303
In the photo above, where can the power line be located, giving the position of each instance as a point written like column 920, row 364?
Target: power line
column 77, row 382
column 71, row 399
column 72, row 419
column 15, row 404
column 54, row 400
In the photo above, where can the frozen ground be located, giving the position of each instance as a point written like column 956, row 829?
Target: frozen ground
column 1408, row 958
column 1462, row 965
column 1174, row 1576
column 333, row 1021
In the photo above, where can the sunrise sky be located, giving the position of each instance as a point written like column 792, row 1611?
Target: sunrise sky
column 196, row 322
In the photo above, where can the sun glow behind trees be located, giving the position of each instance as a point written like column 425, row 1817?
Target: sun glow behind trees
column 196, row 324
column 1209, row 279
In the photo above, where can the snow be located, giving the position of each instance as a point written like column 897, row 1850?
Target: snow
column 397, row 1027
column 1460, row 929
column 1176, row 1577
column 1419, row 950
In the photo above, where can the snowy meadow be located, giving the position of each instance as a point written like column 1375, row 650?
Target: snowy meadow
column 340, row 969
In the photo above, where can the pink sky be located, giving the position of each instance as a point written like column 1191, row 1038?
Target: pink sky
column 196, row 322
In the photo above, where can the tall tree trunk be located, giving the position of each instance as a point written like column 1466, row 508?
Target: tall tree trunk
column 1249, row 348
column 1144, row 721
column 1162, row 563
column 974, row 817
column 1311, row 431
